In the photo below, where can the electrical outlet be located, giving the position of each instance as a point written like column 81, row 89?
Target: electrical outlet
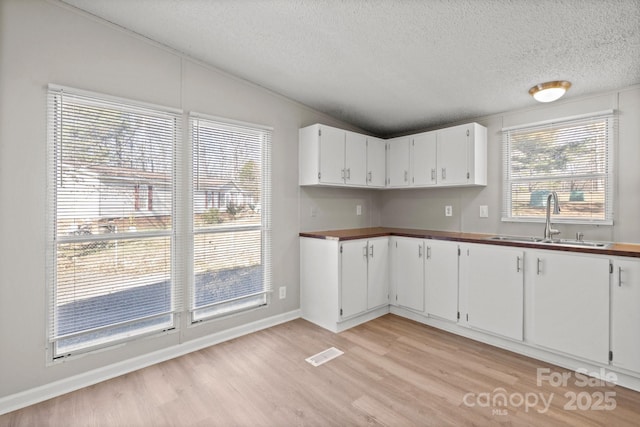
column 358, row 209
column 283, row 292
column 448, row 210
column 484, row 211
column 314, row 211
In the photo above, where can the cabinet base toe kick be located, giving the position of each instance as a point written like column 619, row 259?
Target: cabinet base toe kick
column 343, row 325
column 601, row 371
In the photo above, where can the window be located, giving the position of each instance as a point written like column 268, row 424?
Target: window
column 572, row 157
column 231, row 217
column 111, row 181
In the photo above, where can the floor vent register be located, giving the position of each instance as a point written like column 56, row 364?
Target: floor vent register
column 324, row 356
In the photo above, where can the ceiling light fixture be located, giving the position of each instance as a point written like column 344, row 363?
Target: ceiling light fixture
column 549, row 91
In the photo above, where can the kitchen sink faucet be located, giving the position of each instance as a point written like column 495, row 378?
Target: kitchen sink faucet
column 548, row 231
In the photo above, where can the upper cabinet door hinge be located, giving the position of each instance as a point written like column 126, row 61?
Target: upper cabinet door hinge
column 458, row 315
column 340, row 312
column 319, row 132
column 340, row 248
column 318, row 175
column 468, row 175
column 467, row 132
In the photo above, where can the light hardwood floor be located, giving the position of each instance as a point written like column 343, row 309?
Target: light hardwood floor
column 394, row 372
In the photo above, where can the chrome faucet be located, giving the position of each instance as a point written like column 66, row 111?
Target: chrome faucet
column 548, row 231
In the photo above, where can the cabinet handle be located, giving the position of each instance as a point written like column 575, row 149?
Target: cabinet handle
column 518, row 264
column 444, row 173
column 349, row 173
column 538, row 268
column 428, row 252
column 365, row 251
column 619, row 277
column 420, row 251
column 433, row 174
column 371, row 251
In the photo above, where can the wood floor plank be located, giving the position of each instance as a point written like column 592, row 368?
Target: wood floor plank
column 394, row 372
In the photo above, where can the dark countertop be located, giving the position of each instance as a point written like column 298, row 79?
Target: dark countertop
column 616, row 249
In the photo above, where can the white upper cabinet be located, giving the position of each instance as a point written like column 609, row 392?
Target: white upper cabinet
column 321, row 155
column 376, row 162
column 398, row 162
column 455, row 156
column 331, row 161
column 423, row 159
column 462, row 155
column 355, row 159
column 331, row 156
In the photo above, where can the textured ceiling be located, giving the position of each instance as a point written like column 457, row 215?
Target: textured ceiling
column 393, row 66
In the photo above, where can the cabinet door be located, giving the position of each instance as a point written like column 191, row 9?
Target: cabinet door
column 331, row 155
column 625, row 314
column 571, row 304
column 398, row 175
column 376, row 162
column 441, row 279
column 495, row 290
column 453, row 146
column 423, row 159
column 355, row 159
column 353, row 278
column 378, row 273
column 409, row 273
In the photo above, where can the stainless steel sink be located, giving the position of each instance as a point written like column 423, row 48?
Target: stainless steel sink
column 581, row 243
column 555, row 242
column 516, row 239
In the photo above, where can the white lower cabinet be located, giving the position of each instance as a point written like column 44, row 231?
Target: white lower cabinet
column 340, row 281
column 408, row 272
column 353, row 277
column 570, row 303
column 364, row 275
column 378, row 273
column 585, row 307
column 625, row 314
column 441, row 279
column 494, row 282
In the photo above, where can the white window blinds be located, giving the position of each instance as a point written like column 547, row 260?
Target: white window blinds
column 111, row 182
column 572, row 157
column 231, row 217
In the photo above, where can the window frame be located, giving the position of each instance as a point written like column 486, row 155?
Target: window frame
column 55, row 94
column 610, row 117
column 265, row 212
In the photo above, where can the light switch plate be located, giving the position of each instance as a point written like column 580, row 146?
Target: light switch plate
column 358, row 209
column 484, row 211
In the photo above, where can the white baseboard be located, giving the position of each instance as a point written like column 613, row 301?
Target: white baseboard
column 76, row 382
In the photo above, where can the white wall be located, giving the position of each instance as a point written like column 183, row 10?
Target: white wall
column 44, row 42
column 425, row 208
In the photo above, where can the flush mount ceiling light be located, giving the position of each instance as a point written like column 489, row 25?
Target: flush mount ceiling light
column 549, row 91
